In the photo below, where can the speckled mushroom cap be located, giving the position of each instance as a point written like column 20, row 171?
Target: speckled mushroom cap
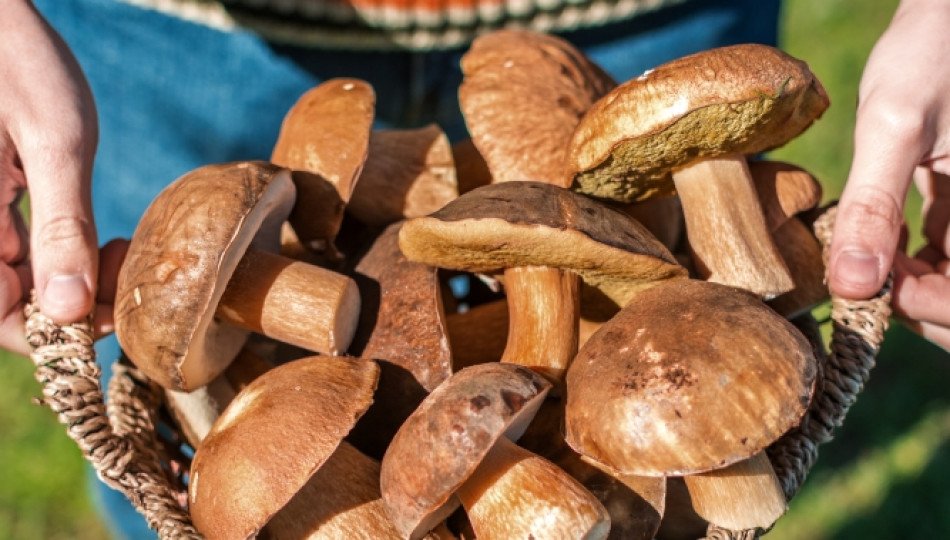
column 182, row 255
column 522, row 95
column 445, row 439
column 741, row 99
column 689, row 376
column 516, row 224
column 272, row 437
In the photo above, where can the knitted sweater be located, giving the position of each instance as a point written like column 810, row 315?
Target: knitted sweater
column 397, row 24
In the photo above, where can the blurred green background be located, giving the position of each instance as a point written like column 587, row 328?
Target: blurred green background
column 883, row 477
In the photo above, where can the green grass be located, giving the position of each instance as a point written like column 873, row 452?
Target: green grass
column 881, row 478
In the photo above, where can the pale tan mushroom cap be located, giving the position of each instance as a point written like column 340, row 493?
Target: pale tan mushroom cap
column 741, row 99
column 522, row 95
column 446, row 438
column 272, row 438
column 515, row 224
column 182, row 255
column 689, row 376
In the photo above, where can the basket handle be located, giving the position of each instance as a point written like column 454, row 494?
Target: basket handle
column 119, row 441
column 857, row 332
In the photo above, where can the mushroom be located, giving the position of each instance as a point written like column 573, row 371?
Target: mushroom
column 642, row 391
column 522, row 95
column 527, row 225
column 695, row 117
column 408, row 173
column 456, row 447
column 324, row 139
column 785, row 191
column 275, row 459
column 199, row 274
column 403, row 327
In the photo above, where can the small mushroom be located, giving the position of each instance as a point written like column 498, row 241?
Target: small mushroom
column 200, row 273
column 408, row 173
column 275, row 459
column 644, row 388
column 535, row 226
column 457, row 448
column 784, row 191
column 695, row 117
column 324, row 139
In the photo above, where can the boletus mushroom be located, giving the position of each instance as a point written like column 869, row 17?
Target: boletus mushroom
column 694, row 119
column 456, row 447
column 275, row 462
column 534, row 226
column 689, row 377
column 200, row 273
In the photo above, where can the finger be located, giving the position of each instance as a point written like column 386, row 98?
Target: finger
column 103, row 322
column 14, row 236
column 13, row 282
column 936, row 210
column 930, row 255
column 921, row 297
column 888, row 146
column 63, row 238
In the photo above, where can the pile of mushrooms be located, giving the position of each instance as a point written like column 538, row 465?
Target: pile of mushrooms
column 572, row 325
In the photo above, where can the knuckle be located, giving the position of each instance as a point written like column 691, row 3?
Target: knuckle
column 873, row 211
column 896, row 118
column 64, row 232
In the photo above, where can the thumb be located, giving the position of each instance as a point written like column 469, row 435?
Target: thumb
column 63, row 236
column 870, row 213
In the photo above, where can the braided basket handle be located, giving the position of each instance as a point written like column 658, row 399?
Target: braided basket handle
column 119, row 442
column 857, row 332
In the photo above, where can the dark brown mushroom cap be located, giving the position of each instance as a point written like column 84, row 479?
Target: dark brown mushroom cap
column 689, row 376
column 271, row 439
column 514, row 224
column 446, row 438
column 740, row 99
column 522, row 95
column 181, row 257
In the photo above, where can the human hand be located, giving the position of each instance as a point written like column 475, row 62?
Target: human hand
column 903, row 121
column 48, row 135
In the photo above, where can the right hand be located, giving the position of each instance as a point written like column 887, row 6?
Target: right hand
column 48, row 136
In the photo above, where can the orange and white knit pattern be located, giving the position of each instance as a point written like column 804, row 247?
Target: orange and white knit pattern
column 397, row 24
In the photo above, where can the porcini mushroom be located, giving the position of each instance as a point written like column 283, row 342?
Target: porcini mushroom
column 456, row 447
column 689, row 377
column 403, row 327
column 275, row 459
column 528, row 225
column 695, row 117
column 324, row 139
column 200, row 274
column 408, row 173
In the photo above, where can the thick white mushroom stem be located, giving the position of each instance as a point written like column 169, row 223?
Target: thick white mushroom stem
column 726, row 227
column 543, row 310
column 341, row 500
column 292, row 302
column 517, row 494
column 745, row 495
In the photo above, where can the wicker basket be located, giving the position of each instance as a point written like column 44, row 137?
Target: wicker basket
column 131, row 451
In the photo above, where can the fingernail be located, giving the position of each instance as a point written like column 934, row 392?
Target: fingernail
column 857, row 268
column 66, row 292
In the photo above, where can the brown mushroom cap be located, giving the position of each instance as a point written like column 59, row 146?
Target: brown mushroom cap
column 784, row 190
column 408, row 173
column 690, row 376
column 446, row 438
column 272, row 438
column 182, row 255
column 522, row 95
column 741, row 99
column 516, row 224
column 326, row 136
